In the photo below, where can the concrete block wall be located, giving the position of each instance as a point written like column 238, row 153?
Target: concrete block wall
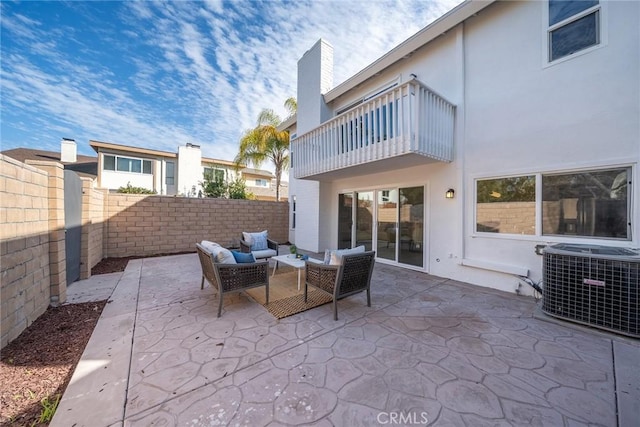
column 57, row 246
column 147, row 225
column 92, row 227
column 24, row 246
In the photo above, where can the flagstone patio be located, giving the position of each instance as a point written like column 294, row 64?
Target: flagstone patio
column 430, row 351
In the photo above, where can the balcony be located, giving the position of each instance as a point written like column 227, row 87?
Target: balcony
column 404, row 126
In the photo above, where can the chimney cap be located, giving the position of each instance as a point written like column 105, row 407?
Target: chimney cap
column 68, row 139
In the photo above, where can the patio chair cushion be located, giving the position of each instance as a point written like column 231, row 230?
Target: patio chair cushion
column 242, row 257
column 209, row 246
column 223, row 255
column 334, row 257
column 265, row 253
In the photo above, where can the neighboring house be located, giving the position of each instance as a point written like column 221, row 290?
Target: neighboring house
column 262, row 184
column 170, row 173
column 499, row 127
column 84, row 166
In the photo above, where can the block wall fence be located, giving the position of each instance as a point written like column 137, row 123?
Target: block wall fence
column 32, row 235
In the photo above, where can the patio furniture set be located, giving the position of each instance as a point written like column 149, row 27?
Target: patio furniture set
column 342, row 273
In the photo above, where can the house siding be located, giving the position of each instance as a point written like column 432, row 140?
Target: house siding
column 515, row 114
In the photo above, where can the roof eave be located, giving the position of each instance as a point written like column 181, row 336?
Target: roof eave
column 438, row 27
column 126, row 148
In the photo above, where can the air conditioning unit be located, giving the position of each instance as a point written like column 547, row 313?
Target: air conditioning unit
column 594, row 285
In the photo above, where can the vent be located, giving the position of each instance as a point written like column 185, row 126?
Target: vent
column 593, row 285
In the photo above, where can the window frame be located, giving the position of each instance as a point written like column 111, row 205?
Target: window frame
column 538, row 234
column 171, row 176
column 601, row 22
column 116, row 157
column 216, row 173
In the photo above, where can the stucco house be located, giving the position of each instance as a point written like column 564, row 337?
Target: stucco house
column 499, row 127
column 172, row 173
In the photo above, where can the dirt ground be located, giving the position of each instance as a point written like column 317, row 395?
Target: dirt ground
column 36, row 367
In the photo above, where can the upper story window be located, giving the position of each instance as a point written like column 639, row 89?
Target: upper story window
column 261, row 183
column 126, row 164
column 214, row 174
column 574, row 25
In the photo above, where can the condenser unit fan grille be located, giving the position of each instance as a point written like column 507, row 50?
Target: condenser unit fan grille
column 599, row 291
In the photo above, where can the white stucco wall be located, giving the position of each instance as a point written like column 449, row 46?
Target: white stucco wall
column 114, row 180
column 188, row 169
column 315, row 77
column 515, row 114
column 525, row 116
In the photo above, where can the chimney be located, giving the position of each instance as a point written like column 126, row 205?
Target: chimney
column 68, row 151
column 315, row 77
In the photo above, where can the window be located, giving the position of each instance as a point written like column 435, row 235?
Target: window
column 171, row 173
column 109, row 163
column 574, row 25
column 506, row 205
column 214, row 174
column 592, row 203
column 261, row 183
column 126, row 164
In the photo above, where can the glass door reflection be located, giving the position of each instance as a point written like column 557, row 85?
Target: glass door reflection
column 387, row 223
column 411, row 240
column 345, row 220
column 364, row 220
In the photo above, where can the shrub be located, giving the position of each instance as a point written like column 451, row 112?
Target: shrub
column 129, row 189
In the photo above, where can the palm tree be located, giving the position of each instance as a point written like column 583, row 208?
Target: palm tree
column 266, row 142
column 291, row 104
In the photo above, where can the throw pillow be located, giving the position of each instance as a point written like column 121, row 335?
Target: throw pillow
column 247, row 238
column 208, row 245
column 336, row 256
column 242, row 257
column 259, row 242
column 223, row 256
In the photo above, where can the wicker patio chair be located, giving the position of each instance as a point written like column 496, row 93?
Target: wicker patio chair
column 348, row 278
column 227, row 278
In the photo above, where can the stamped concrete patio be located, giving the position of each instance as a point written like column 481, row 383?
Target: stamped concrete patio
column 430, row 351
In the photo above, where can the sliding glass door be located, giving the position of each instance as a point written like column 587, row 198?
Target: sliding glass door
column 411, row 213
column 389, row 221
column 345, row 220
column 364, row 220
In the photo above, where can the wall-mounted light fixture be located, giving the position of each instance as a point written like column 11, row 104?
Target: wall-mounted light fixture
column 450, row 193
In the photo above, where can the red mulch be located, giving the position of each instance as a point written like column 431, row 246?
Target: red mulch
column 39, row 363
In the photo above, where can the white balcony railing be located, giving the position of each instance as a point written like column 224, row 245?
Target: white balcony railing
column 408, row 119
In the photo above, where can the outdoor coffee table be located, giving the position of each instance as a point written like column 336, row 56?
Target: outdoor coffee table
column 292, row 261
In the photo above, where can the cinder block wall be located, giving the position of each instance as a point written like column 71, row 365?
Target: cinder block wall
column 24, row 246
column 146, row 225
column 93, row 214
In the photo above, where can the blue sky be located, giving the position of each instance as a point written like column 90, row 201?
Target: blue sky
column 161, row 74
